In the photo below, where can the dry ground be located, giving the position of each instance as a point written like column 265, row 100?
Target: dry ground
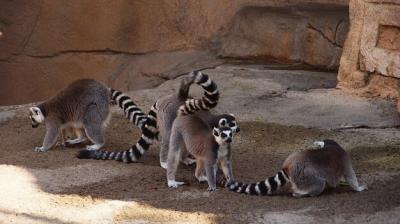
column 55, row 187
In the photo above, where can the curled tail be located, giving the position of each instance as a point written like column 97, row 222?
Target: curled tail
column 147, row 123
column 208, row 101
column 267, row 187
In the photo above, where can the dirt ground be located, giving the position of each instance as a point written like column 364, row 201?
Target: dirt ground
column 55, row 187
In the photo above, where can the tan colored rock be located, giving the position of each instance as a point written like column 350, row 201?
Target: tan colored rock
column 137, row 44
column 372, row 49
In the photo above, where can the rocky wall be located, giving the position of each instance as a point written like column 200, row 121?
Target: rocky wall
column 370, row 64
column 139, row 44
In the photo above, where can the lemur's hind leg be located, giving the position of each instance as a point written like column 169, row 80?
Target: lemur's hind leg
column 173, row 160
column 317, row 187
column 200, row 172
column 165, row 132
column 351, row 178
column 94, row 127
column 308, row 182
column 185, row 158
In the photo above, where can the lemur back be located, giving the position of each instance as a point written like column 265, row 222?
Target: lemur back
column 190, row 133
column 309, row 172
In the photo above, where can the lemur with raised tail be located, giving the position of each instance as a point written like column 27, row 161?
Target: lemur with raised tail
column 309, row 172
column 210, row 148
column 167, row 108
column 85, row 104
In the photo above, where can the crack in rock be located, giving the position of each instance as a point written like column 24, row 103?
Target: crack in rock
column 323, row 34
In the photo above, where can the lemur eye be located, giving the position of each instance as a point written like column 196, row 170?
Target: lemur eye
column 223, row 135
column 222, row 122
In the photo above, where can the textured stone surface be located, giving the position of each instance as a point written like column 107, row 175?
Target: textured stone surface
column 288, row 97
column 370, row 64
column 140, row 44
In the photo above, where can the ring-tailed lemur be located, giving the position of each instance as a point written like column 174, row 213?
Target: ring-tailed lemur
column 83, row 104
column 308, row 172
column 166, row 110
column 210, row 148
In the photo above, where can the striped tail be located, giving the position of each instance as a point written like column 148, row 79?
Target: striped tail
column 267, row 187
column 131, row 110
column 131, row 155
column 208, row 101
column 147, row 123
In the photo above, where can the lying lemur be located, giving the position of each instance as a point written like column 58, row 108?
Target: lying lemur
column 85, row 105
column 308, row 172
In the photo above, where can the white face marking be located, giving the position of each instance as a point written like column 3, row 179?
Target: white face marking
column 320, row 144
column 222, row 136
column 37, row 114
column 222, row 122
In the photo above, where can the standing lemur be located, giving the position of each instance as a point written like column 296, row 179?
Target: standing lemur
column 308, row 172
column 84, row 105
column 164, row 112
column 210, row 148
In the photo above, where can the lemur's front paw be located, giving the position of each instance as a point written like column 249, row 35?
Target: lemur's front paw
column 174, row 184
column 40, row 149
column 61, row 144
column 212, row 189
column 362, row 188
column 201, row 178
column 188, row 161
column 163, row 165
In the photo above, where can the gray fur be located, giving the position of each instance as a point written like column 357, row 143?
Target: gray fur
column 190, row 133
column 309, row 172
column 83, row 104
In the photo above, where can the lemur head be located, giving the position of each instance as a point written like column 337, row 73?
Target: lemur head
column 36, row 116
column 325, row 143
column 228, row 120
column 223, row 135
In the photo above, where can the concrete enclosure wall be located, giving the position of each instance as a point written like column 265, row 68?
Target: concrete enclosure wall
column 139, row 44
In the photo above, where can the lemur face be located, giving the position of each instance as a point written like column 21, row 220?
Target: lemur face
column 223, row 135
column 36, row 116
column 229, row 121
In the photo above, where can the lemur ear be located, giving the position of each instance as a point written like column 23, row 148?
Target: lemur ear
column 222, row 122
column 34, row 110
column 232, row 114
column 216, row 132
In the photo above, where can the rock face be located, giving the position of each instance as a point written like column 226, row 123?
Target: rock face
column 287, row 97
column 139, row 44
column 370, row 64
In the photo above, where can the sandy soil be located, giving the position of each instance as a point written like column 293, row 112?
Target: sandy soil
column 55, row 187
